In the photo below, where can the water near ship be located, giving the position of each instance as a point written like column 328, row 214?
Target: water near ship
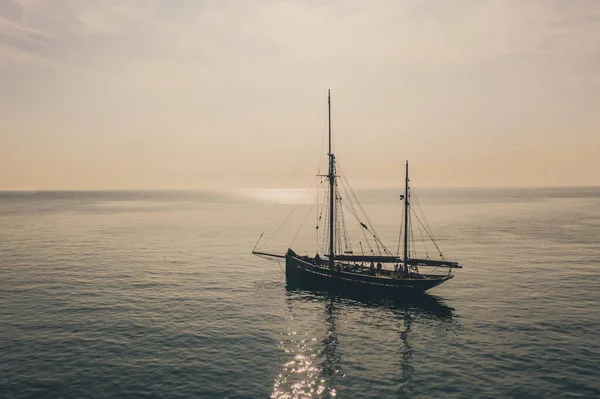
column 156, row 294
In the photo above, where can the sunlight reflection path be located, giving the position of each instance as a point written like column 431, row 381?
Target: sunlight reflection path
column 303, row 376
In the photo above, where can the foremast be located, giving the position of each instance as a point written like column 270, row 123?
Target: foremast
column 331, row 177
column 406, row 205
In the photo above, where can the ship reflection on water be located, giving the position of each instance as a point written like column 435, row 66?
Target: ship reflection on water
column 315, row 365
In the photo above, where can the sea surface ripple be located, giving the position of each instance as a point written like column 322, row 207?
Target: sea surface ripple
column 155, row 294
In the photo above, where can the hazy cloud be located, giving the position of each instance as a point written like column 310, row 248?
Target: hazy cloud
column 170, row 91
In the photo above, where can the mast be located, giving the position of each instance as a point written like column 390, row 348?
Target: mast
column 406, row 222
column 331, row 188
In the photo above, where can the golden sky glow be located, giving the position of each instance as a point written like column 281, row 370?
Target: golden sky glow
column 194, row 94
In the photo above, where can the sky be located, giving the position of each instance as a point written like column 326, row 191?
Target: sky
column 202, row 94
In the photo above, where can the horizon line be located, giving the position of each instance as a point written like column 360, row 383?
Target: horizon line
column 34, row 190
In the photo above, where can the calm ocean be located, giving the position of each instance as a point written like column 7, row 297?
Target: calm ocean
column 156, row 294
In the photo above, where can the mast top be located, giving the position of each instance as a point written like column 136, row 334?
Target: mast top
column 329, row 117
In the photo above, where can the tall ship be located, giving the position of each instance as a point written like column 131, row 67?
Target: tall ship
column 376, row 270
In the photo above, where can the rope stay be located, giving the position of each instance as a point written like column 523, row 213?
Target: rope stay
column 303, row 222
column 400, row 232
column 294, row 170
column 287, row 218
column 368, row 225
column 425, row 224
column 346, row 199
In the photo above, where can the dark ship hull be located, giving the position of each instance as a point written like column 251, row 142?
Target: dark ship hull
column 306, row 270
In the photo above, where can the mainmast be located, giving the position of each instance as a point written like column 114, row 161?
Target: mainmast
column 331, row 189
column 406, row 203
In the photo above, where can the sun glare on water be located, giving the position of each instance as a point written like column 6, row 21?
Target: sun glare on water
column 301, row 376
column 282, row 196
